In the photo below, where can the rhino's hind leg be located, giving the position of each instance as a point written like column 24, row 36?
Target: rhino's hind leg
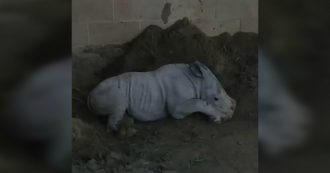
column 110, row 99
column 116, row 109
column 193, row 106
column 114, row 119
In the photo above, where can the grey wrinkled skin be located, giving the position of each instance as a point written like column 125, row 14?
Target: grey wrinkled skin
column 175, row 89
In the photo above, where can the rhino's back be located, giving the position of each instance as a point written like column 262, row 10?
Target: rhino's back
column 146, row 96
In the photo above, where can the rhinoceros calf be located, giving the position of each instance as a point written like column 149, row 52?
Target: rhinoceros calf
column 175, row 89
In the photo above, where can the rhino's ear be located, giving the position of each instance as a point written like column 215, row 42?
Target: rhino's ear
column 196, row 69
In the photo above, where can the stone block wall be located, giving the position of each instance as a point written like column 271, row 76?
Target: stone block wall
column 97, row 22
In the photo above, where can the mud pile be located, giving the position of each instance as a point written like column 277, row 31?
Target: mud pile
column 233, row 58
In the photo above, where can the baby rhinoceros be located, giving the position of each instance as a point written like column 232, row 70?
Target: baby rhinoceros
column 174, row 89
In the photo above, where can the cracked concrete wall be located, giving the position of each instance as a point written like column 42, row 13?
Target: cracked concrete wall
column 118, row 21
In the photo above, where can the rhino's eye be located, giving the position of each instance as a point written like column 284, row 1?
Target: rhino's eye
column 216, row 99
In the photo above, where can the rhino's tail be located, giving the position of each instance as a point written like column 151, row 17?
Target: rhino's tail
column 89, row 104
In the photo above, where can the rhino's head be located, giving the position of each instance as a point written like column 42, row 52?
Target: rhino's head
column 212, row 90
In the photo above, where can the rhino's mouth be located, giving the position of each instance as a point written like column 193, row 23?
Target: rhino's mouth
column 225, row 114
column 221, row 111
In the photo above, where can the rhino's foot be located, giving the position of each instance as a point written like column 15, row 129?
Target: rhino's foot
column 216, row 120
column 126, row 132
column 219, row 120
column 126, row 128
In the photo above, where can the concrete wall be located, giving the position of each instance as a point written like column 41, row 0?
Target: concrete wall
column 118, row 21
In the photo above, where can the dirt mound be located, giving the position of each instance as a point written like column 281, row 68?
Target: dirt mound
column 190, row 145
column 230, row 57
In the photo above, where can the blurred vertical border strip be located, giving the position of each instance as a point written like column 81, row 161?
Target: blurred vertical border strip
column 295, row 35
column 34, row 35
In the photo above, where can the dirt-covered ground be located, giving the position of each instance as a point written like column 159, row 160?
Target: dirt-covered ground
column 190, row 145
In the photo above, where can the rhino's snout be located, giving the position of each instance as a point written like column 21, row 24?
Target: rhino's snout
column 229, row 111
column 232, row 107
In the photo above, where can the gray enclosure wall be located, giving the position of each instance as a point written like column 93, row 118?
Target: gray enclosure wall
column 117, row 21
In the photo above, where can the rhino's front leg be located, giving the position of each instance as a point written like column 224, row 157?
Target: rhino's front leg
column 196, row 105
